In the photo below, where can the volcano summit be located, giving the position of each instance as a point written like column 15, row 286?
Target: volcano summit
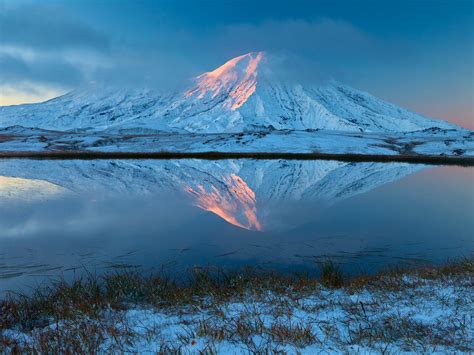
column 245, row 105
column 243, row 93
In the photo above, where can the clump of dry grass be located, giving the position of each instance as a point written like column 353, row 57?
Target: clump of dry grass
column 299, row 334
column 331, row 274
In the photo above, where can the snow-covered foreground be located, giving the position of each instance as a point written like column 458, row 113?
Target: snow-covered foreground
column 327, row 321
column 432, row 142
column 432, row 316
column 427, row 312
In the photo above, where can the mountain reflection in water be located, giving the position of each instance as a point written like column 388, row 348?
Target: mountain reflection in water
column 242, row 192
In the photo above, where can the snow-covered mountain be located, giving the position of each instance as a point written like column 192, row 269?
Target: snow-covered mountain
column 242, row 94
column 246, row 193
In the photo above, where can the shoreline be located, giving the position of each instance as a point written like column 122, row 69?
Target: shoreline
column 467, row 161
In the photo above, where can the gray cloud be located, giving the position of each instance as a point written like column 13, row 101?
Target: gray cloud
column 301, row 50
column 167, row 57
column 304, row 50
column 325, row 37
column 15, row 70
column 48, row 28
column 46, row 45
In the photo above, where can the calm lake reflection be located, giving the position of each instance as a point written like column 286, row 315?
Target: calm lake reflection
column 58, row 218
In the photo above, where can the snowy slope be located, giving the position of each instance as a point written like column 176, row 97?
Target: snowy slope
column 97, row 108
column 242, row 94
column 431, row 142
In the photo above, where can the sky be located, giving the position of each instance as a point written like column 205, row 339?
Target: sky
column 418, row 54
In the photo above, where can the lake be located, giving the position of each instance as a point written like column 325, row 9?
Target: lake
column 59, row 218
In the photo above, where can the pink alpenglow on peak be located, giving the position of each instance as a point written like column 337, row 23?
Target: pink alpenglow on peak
column 236, row 78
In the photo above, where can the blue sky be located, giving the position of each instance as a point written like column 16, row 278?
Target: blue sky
column 418, row 54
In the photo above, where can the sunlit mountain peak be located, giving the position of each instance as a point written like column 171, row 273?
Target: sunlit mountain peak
column 236, row 78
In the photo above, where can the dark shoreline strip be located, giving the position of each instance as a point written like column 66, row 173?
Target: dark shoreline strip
column 88, row 155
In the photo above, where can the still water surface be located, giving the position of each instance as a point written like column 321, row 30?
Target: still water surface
column 59, row 218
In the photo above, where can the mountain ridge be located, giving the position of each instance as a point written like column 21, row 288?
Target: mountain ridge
column 243, row 93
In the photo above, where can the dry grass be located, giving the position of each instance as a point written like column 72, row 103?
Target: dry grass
column 91, row 295
column 393, row 278
column 89, row 314
column 331, row 274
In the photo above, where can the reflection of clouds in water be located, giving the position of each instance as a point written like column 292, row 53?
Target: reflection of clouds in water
column 18, row 189
column 82, row 217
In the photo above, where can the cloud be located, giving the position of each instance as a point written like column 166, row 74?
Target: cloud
column 324, row 36
column 303, row 50
column 26, row 92
column 80, row 217
column 44, row 50
column 51, row 46
column 15, row 70
column 48, row 28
